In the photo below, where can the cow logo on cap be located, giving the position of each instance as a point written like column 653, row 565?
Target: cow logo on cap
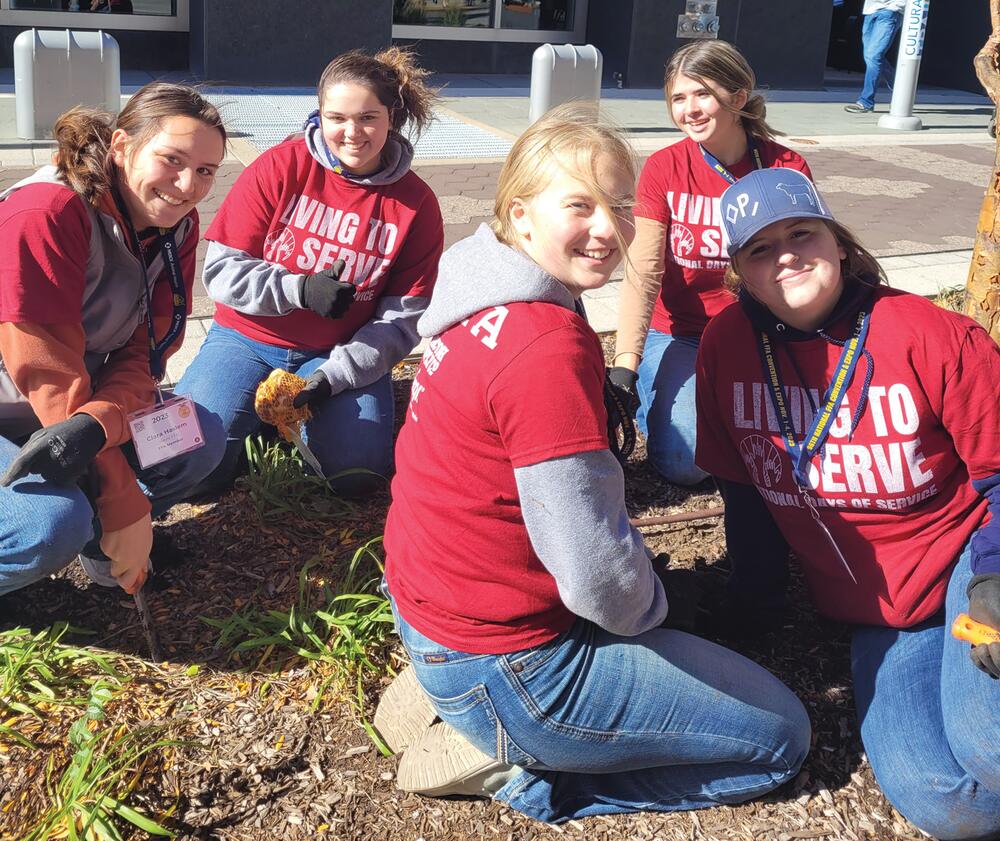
column 796, row 191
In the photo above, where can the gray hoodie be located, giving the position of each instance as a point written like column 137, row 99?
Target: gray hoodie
column 573, row 506
column 251, row 285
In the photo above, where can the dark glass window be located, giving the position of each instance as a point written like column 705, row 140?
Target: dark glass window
column 114, row 7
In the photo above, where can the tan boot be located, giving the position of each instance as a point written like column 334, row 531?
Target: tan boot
column 404, row 711
column 442, row 762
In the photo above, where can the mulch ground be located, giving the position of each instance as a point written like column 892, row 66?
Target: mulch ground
column 263, row 759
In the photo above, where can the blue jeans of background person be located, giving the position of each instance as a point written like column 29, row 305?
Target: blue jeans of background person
column 877, row 33
column 352, row 429
column 603, row 724
column 43, row 527
column 930, row 721
column 666, row 414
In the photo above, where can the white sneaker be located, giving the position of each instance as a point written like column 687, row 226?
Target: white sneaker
column 404, row 711
column 443, row 762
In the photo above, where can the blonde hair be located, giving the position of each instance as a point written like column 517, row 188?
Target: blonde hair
column 570, row 137
column 720, row 63
column 859, row 265
column 395, row 78
column 83, row 135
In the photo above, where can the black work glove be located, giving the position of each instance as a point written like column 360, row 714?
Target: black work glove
column 60, row 453
column 325, row 294
column 315, row 391
column 984, row 606
column 621, row 402
column 683, row 594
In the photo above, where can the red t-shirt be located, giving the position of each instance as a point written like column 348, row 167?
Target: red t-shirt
column 287, row 209
column 679, row 189
column 508, row 387
column 896, row 495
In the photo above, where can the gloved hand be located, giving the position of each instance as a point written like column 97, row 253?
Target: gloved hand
column 128, row 548
column 621, row 402
column 984, row 606
column 623, row 381
column 60, row 453
column 325, row 294
column 683, row 593
column 314, row 392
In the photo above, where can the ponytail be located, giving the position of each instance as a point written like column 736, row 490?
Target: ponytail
column 83, row 135
column 395, row 78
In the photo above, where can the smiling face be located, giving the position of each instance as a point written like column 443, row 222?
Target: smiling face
column 355, row 126
column 162, row 180
column 699, row 112
column 793, row 268
column 569, row 233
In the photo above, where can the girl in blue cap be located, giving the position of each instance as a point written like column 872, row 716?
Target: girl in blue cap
column 858, row 427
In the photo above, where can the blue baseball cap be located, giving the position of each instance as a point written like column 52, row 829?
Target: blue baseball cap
column 765, row 196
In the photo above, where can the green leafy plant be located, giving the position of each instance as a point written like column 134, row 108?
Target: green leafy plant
column 280, row 485
column 86, row 794
column 952, row 298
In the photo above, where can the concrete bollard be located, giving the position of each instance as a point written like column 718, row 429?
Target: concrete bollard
column 563, row 73
column 911, row 48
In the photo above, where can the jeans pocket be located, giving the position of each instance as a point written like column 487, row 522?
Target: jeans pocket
column 473, row 715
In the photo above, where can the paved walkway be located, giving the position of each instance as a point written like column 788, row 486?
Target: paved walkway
column 912, row 197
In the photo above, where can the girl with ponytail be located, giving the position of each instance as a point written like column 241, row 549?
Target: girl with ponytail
column 90, row 247
column 674, row 274
column 321, row 260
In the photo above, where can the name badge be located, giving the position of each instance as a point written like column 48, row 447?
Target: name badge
column 164, row 431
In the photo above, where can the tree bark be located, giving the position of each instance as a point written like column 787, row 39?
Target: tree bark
column 982, row 300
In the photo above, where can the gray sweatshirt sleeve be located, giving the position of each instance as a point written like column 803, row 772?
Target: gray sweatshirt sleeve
column 378, row 345
column 248, row 284
column 574, row 509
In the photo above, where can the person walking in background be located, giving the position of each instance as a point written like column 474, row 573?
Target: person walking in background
column 673, row 277
column 883, row 18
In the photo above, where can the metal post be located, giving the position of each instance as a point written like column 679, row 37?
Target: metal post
column 911, row 48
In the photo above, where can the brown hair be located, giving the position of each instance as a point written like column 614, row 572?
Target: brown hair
column 720, row 63
column 859, row 264
column 393, row 76
column 84, row 134
column 570, row 137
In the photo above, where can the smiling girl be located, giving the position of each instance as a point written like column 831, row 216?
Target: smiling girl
column 528, row 605
column 88, row 247
column 859, row 427
column 673, row 280
column 320, row 261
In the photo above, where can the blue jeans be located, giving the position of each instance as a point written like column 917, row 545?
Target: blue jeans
column 930, row 721
column 602, row 724
column 666, row 414
column 43, row 527
column 877, row 33
column 352, row 429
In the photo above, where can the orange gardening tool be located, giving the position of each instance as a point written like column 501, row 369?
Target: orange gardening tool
column 968, row 629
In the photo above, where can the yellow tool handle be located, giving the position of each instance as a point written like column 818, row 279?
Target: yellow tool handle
column 968, row 629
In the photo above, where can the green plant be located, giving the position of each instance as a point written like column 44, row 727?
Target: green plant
column 279, row 484
column 340, row 630
column 454, row 15
column 85, row 796
column 952, row 298
column 408, row 11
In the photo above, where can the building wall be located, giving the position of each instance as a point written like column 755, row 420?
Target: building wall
column 137, row 50
column 477, row 57
column 249, row 42
column 955, row 33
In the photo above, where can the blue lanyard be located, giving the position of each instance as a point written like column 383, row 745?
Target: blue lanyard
column 719, row 167
column 175, row 276
column 801, row 453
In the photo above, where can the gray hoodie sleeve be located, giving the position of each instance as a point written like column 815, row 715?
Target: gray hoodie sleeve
column 378, row 345
column 249, row 284
column 574, row 510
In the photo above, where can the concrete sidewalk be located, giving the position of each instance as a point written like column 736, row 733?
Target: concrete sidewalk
column 912, row 197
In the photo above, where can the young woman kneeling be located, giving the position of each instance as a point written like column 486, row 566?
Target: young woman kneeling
column 525, row 600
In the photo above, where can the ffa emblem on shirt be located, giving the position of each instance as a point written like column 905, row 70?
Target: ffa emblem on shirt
column 279, row 245
column 762, row 459
column 681, row 239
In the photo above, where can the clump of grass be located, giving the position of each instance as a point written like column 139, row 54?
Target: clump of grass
column 953, row 298
column 279, row 485
column 336, row 631
column 85, row 794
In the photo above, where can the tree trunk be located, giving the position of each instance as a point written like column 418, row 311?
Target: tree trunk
column 983, row 286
